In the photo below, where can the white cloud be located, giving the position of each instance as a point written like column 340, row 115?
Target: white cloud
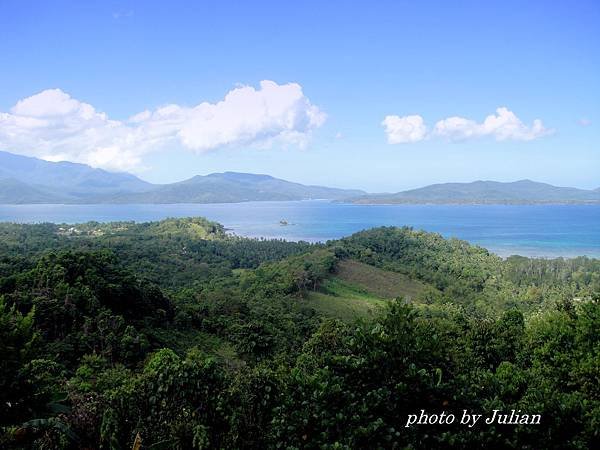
column 585, row 122
column 405, row 129
column 456, row 128
column 244, row 116
column 54, row 126
column 503, row 125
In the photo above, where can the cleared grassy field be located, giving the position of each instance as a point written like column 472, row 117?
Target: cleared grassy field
column 378, row 282
column 358, row 290
column 341, row 300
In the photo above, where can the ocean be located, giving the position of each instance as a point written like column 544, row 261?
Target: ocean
column 528, row 230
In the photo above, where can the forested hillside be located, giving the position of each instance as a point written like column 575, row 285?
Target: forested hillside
column 189, row 338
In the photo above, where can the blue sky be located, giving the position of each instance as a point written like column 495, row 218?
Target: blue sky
column 352, row 64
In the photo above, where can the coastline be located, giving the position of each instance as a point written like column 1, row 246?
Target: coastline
column 540, row 231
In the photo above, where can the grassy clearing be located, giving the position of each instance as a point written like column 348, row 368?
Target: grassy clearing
column 378, row 282
column 344, row 301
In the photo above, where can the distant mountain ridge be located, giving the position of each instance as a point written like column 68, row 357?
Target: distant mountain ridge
column 30, row 180
column 229, row 187
column 485, row 192
column 42, row 181
column 14, row 191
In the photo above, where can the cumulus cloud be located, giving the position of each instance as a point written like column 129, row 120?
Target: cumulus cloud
column 54, row 126
column 401, row 130
column 503, row 125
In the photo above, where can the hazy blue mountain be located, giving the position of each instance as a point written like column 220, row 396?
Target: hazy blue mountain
column 31, row 180
column 235, row 187
column 523, row 191
column 64, row 181
column 15, row 191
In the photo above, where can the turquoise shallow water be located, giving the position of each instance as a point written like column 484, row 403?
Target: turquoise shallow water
column 531, row 230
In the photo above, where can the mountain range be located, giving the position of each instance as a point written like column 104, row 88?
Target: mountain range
column 30, row 180
column 485, row 192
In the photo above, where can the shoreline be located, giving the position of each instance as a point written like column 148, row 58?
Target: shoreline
column 535, row 231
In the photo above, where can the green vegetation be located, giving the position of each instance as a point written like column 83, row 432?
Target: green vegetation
column 192, row 339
